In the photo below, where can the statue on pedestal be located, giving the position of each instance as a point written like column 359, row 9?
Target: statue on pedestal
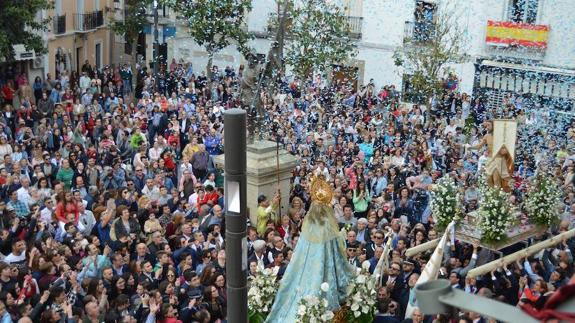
column 319, row 256
column 500, row 142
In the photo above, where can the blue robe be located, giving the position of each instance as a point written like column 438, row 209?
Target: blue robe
column 318, row 257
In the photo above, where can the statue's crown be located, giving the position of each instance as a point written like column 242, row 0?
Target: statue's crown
column 321, row 191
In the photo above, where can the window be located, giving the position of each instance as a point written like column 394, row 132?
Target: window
column 163, row 11
column 353, row 8
column 127, row 46
column 424, row 19
column 523, row 11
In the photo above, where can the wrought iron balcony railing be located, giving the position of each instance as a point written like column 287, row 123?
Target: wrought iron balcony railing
column 355, row 24
column 418, row 31
column 88, row 21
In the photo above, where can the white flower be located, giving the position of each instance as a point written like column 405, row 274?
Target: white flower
column 360, row 279
column 275, row 271
column 365, row 265
column 301, row 310
column 328, row 316
column 313, row 301
column 325, row 286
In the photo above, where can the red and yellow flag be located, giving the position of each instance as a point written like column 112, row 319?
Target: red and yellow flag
column 508, row 33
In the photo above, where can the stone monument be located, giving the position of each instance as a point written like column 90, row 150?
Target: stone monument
column 263, row 173
column 269, row 168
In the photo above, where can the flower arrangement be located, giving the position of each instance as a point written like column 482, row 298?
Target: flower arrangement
column 261, row 295
column 361, row 296
column 541, row 201
column 496, row 214
column 446, row 203
column 313, row 309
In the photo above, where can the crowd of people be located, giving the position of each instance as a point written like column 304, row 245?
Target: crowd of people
column 112, row 206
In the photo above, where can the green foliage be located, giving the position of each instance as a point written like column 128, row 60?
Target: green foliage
column 255, row 317
column 446, row 203
column 496, row 215
column 318, row 36
column 541, row 201
column 426, row 57
column 18, row 25
column 216, row 24
column 134, row 19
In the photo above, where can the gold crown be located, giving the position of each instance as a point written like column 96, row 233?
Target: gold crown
column 321, row 191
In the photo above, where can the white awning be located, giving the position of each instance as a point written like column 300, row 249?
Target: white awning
column 540, row 69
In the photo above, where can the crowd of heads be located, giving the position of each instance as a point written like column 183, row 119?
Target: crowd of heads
column 112, row 207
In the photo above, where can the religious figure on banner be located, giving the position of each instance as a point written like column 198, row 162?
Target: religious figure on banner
column 319, row 257
column 500, row 143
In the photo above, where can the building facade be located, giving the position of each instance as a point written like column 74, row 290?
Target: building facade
column 521, row 46
column 80, row 32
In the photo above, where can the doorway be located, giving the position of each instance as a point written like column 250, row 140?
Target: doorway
column 78, row 60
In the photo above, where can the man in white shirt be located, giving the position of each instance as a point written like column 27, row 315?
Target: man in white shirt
column 193, row 199
column 23, row 192
column 156, row 151
column 87, row 219
column 18, row 254
column 322, row 170
column 151, row 190
column 47, row 211
column 84, row 81
column 451, row 127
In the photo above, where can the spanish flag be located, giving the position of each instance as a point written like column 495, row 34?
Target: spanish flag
column 505, row 33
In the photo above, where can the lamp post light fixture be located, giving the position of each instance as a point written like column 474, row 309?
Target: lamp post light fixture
column 438, row 297
column 236, row 214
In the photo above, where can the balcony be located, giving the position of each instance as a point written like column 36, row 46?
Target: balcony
column 355, row 24
column 417, row 32
column 84, row 22
column 59, row 26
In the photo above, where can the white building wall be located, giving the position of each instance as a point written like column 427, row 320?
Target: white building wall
column 383, row 32
column 559, row 14
column 384, row 21
column 258, row 17
column 379, row 66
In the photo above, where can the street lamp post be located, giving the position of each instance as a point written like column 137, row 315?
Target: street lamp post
column 156, row 45
column 236, row 214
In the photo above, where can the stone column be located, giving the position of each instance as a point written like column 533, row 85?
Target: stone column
column 262, row 174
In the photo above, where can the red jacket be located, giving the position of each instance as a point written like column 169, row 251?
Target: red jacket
column 213, row 196
column 70, row 208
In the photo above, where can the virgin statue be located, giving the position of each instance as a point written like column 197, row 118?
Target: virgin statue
column 319, row 257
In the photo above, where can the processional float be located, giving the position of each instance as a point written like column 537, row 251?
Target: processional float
column 437, row 296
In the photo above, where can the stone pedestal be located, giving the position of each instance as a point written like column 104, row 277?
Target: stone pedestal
column 262, row 174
